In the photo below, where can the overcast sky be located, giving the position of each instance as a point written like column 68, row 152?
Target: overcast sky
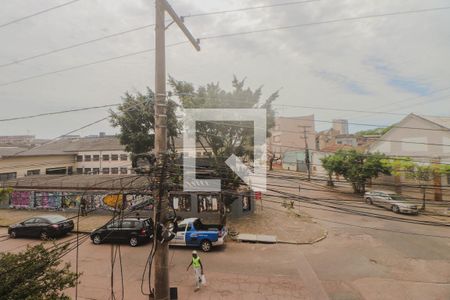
column 397, row 64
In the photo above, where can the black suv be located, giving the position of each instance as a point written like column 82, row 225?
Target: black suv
column 131, row 230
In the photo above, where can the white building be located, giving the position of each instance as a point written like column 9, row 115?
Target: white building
column 424, row 139
column 103, row 155
column 89, row 155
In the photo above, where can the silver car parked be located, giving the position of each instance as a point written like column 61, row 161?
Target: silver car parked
column 391, row 201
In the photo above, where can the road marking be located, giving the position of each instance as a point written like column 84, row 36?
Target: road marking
column 310, row 279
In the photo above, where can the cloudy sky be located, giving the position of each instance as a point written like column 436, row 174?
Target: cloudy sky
column 394, row 64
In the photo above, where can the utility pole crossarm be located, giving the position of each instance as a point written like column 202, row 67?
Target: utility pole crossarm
column 195, row 42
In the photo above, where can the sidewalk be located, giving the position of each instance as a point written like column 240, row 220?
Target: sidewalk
column 288, row 225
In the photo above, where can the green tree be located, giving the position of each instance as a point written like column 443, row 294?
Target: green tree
column 333, row 165
column 356, row 167
column 136, row 120
column 35, row 273
column 225, row 138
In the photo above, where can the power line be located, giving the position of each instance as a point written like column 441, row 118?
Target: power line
column 225, row 35
column 85, row 65
column 58, row 112
column 360, row 226
column 37, row 13
column 70, row 132
column 75, row 45
column 248, row 8
column 231, row 35
column 144, row 27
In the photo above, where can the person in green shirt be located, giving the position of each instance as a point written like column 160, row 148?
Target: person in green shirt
column 198, row 269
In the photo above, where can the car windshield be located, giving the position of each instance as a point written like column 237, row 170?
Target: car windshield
column 396, row 197
column 55, row 219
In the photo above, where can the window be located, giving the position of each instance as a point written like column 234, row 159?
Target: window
column 105, row 170
column 33, row 172
column 8, row 176
column 114, row 224
column 128, row 224
column 79, row 157
column 105, row 157
column 95, row 157
column 30, row 221
column 87, row 170
column 114, row 157
column 208, row 203
column 180, row 202
column 96, row 171
column 123, row 157
column 114, row 170
column 54, row 171
column 87, row 158
column 246, row 204
column 79, row 170
column 123, row 170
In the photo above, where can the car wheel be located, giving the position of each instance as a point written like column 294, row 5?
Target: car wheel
column 133, row 241
column 44, row 236
column 97, row 240
column 369, row 201
column 395, row 209
column 206, row 246
column 13, row 234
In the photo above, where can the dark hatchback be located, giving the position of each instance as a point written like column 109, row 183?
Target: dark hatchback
column 133, row 231
column 43, row 227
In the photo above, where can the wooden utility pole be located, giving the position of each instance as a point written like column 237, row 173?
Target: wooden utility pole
column 162, row 290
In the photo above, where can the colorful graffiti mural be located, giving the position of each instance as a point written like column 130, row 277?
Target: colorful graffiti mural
column 67, row 200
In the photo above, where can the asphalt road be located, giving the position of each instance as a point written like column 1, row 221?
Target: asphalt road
column 362, row 258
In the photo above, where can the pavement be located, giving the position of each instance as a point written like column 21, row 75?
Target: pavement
column 272, row 218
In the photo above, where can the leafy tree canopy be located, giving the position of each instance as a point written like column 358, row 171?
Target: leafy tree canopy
column 356, row 167
column 135, row 117
column 225, row 138
column 35, row 274
column 414, row 170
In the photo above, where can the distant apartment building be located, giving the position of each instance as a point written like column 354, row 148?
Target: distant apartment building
column 341, row 126
column 289, row 134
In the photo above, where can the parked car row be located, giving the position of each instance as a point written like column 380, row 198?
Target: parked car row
column 44, row 227
column 391, row 201
column 134, row 231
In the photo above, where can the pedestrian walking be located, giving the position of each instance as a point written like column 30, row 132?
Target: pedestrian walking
column 198, row 269
column 83, row 204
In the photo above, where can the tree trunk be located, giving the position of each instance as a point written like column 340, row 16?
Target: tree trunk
column 424, row 196
column 330, row 180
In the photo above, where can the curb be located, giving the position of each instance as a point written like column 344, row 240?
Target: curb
column 324, row 236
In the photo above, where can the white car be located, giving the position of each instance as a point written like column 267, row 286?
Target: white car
column 391, row 201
